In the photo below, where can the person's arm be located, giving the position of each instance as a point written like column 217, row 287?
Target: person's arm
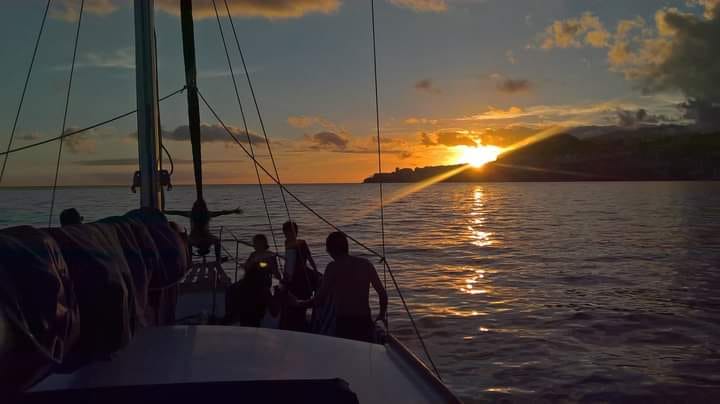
column 276, row 268
column 182, row 213
column 309, row 256
column 237, row 211
column 325, row 288
column 380, row 289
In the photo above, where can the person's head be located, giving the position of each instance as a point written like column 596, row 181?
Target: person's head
column 337, row 245
column 199, row 215
column 70, row 216
column 260, row 243
column 290, row 229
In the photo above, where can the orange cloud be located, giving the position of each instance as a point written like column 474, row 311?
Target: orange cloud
column 68, row 10
column 435, row 6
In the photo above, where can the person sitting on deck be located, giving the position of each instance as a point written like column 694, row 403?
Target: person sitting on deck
column 70, row 217
column 300, row 281
column 247, row 300
column 200, row 236
column 347, row 280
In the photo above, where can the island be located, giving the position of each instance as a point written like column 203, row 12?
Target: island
column 614, row 156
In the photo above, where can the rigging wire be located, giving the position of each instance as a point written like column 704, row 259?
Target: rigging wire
column 25, row 87
column 257, row 109
column 326, row 221
column 65, row 114
column 169, row 156
column 379, row 151
column 85, row 129
column 245, row 125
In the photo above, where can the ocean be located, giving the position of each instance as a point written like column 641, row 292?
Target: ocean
column 555, row 292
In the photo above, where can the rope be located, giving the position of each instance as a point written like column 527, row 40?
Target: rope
column 24, row 90
column 82, row 130
column 336, row 228
column 169, row 156
column 379, row 151
column 257, row 109
column 65, row 114
column 245, row 125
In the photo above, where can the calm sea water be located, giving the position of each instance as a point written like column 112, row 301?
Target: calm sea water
column 604, row 292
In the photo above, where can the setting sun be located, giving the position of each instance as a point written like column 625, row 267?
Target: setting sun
column 479, row 155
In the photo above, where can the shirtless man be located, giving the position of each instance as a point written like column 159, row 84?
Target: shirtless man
column 348, row 279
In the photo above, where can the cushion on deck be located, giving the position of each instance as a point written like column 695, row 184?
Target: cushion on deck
column 104, row 289
column 39, row 318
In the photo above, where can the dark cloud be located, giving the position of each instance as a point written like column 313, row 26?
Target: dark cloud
column 211, row 134
column 511, row 86
column 133, row 162
column 80, row 143
column 426, row 85
column 328, row 139
column 30, row 137
column 632, row 118
column 706, row 114
column 447, row 138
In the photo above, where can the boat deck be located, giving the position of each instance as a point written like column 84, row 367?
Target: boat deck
column 191, row 354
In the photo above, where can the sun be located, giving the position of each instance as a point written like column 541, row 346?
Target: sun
column 479, row 155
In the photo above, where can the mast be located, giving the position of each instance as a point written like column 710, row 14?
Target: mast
column 147, row 103
column 188, row 38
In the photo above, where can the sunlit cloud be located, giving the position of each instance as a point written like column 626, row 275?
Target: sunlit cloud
column 678, row 53
column 68, row 10
column 422, row 6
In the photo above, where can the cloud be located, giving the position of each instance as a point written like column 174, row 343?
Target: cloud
column 511, row 86
column 680, row 53
column 68, row 10
column 575, row 32
column 426, row 85
column 420, row 121
column 210, row 134
column 510, row 56
column 30, row 137
column 422, row 6
column 448, row 138
column 133, row 162
column 328, row 139
column 80, row 143
column 270, row 9
column 633, row 118
column 306, row 121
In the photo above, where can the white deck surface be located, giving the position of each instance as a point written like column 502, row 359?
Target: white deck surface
column 183, row 354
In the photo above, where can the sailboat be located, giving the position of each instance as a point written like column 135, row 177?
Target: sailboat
column 188, row 363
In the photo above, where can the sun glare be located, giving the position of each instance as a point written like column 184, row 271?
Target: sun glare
column 480, row 155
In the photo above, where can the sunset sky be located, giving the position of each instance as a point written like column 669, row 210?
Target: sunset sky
column 453, row 73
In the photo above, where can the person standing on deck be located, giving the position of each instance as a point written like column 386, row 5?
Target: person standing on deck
column 247, row 300
column 298, row 279
column 347, row 280
column 200, row 236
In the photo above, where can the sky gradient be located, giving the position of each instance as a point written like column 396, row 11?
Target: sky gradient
column 452, row 73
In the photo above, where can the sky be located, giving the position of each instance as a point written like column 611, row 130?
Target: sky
column 452, row 74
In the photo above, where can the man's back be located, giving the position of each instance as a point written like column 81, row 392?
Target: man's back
column 350, row 277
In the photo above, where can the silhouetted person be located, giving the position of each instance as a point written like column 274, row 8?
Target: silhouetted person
column 247, row 300
column 300, row 281
column 346, row 283
column 200, row 236
column 70, row 217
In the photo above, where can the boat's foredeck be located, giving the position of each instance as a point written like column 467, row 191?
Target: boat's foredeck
column 186, row 354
